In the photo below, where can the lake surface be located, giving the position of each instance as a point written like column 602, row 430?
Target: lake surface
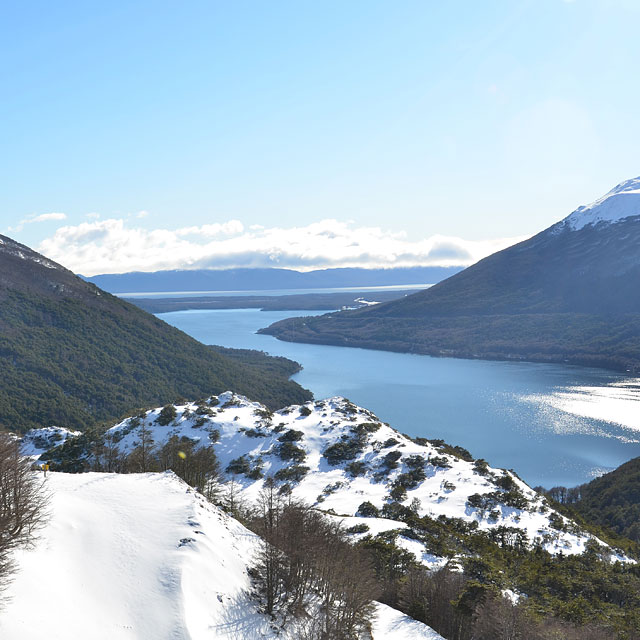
column 553, row 424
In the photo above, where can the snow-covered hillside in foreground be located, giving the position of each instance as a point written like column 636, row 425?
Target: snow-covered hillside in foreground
column 143, row 556
column 337, row 456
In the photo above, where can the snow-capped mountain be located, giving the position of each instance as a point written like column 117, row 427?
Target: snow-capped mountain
column 342, row 459
column 9, row 247
column 569, row 293
column 622, row 202
column 142, row 556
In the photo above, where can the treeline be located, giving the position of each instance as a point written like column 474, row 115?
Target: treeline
column 461, row 608
column 197, row 465
column 22, row 505
column 500, row 589
column 495, row 584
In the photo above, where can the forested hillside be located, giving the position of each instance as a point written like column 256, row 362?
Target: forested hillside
column 73, row 355
column 612, row 500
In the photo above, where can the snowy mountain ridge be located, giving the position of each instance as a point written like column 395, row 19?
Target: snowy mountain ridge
column 623, row 201
column 343, row 460
column 13, row 248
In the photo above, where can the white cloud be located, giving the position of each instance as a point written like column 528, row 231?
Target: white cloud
column 113, row 246
column 232, row 227
column 44, row 217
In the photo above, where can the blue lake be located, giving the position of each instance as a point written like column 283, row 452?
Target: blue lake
column 553, row 424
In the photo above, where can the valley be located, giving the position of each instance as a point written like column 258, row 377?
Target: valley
column 429, row 528
column 320, row 321
column 543, row 420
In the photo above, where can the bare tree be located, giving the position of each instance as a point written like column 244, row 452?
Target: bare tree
column 270, row 558
column 142, row 458
column 22, row 502
column 228, row 496
column 307, row 567
column 429, row 596
column 114, row 459
column 198, row 467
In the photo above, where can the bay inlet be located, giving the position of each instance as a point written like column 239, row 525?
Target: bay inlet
column 553, row 424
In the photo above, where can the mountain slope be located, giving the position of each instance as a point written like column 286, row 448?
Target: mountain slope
column 143, row 556
column 568, row 293
column 72, row 354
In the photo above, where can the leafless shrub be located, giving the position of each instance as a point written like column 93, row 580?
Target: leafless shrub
column 307, row 567
column 143, row 458
column 22, row 504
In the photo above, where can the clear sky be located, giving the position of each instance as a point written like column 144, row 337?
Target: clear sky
column 214, row 133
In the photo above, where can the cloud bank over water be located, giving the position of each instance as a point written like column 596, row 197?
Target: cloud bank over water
column 118, row 246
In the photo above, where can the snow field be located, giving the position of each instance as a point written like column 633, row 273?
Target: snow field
column 143, row 556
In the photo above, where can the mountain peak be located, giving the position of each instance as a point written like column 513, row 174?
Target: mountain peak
column 623, row 201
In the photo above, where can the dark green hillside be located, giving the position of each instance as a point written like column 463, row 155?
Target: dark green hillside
column 612, row 501
column 71, row 354
column 583, row 339
column 564, row 295
column 277, row 366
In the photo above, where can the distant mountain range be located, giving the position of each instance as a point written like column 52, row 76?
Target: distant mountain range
column 72, row 354
column 570, row 293
column 261, row 279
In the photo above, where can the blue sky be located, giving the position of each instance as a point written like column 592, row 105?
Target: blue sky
column 442, row 130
